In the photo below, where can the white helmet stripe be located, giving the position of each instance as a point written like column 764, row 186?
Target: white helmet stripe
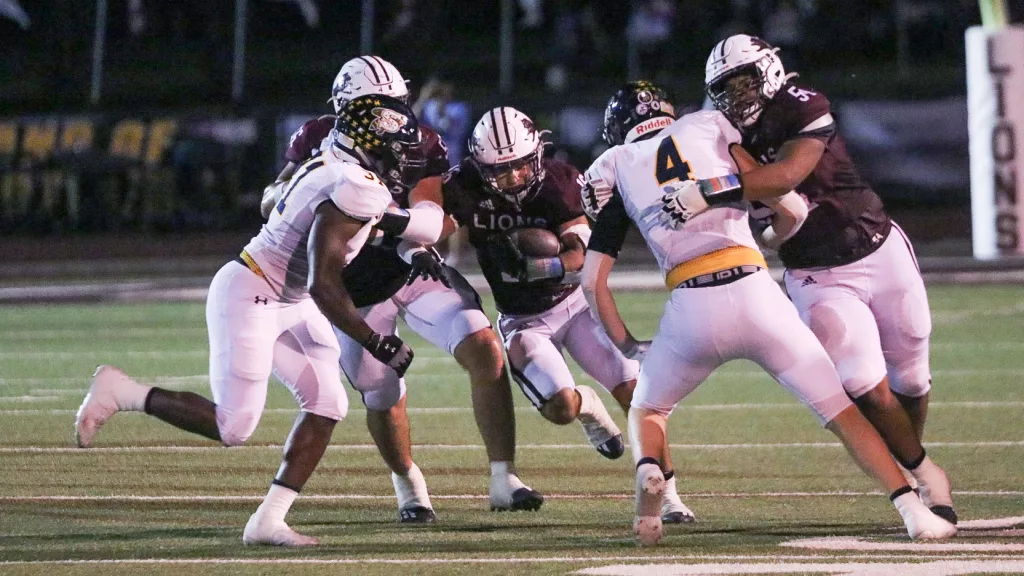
column 373, row 68
column 383, row 68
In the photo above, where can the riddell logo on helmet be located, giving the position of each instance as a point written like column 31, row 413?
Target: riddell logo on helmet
column 653, row 124
column 387, row 120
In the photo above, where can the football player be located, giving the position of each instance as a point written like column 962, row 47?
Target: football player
column 391, row 279
column 271, row 309
column 723, row 305
column 850, row 270
column 506, row 185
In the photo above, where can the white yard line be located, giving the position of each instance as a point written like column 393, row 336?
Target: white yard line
column 391, row 497
column 470, row 560
column 736, row 446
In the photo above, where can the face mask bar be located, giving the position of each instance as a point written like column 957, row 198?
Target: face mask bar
column 738, row 94
column 512, row 179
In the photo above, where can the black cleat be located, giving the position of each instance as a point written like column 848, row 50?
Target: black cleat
column 523, row 499
column 612, row 448
column 417, row 515
column 677, row 518
column 945, row 512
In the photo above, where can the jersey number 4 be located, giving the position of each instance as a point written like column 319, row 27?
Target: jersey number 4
column 669, row 164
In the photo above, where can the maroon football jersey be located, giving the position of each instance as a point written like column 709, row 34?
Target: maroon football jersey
column 846, row 220
column 487, row 214
column 377, row 272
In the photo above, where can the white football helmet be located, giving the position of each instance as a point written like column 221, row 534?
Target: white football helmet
column 507, row 150
column 762, row 75
column 364, row 75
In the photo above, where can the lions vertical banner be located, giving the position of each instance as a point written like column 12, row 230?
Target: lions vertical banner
column 995, row 105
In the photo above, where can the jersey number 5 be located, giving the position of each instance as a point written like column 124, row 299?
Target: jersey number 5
column 669, row 164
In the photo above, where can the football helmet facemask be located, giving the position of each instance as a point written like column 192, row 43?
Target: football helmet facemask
column 507, row 150
column 364, row 75
column 741, row 75
column 383, row 134
column 638, row 110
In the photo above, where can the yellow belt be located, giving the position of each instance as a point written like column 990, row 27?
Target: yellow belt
column 252, row 265
column 711, row 262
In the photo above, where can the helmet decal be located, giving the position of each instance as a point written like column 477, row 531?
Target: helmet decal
column 387, row 121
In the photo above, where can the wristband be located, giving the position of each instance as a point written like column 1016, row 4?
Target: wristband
column 721, row 189
column 394, row 221
column 544, row 269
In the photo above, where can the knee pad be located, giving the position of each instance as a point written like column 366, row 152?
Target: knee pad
column 913, row 382
column 237, row 427
column 383, row 399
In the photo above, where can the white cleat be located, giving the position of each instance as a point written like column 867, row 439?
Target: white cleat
column 922, row 523
column 934, row 489
column 673, row 511
column 602, row 432
column 268, row 533
column 508, row 493
column 650, row 486
column 101, row 402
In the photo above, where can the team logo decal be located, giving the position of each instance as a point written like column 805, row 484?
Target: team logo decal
column 387, row 120
column 346, row 84
column 644, row 96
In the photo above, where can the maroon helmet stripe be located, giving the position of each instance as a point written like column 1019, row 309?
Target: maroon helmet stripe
column 372, row 68
column 504, row 123
column 383, row 68
column 494, row 126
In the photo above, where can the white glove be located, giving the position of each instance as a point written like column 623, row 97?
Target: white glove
column 638, row 351
column 682, row 201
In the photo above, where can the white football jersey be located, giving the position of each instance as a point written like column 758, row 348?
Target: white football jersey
column 280, row 247
column 693, row 147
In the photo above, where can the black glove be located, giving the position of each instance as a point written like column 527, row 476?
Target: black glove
column 390, row 350
column 503, row 250
column 427, row 265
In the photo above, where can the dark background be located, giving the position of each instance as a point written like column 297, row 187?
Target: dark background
column 174, row 59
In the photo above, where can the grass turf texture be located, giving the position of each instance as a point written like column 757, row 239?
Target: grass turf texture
column 752, row 463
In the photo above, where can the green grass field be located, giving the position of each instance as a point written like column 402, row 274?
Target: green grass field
column 759, row 473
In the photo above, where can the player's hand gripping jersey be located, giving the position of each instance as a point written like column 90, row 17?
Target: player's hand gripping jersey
column 377, row 272
column 279, row 251
column 487, row 215
column 628, row 182
column 846, row 220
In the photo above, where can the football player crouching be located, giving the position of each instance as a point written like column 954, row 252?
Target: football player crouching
column 502, row 189
column 393, row 277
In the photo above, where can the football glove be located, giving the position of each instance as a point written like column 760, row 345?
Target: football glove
column 427, row 265
column 684, row 200
column 390, row 350
column 638, row 351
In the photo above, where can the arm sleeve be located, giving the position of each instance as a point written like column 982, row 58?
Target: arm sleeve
column 609, row 231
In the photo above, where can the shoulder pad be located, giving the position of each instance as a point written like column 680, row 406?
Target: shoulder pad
column 359, row 193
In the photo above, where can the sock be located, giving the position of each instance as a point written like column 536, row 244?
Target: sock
column 277, row 503
column 133, row 396
column 671, row 474
column 411, row 489
column 506, row 469
column 587, row 398
column 901, row 492
column 907, row 503
column 670, row 488
column 912, row 465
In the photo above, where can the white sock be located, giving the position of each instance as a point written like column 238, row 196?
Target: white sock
column 587, row 398
column 506, row 469
column 133, row 397
column 907, row 503
column 411, row 489
column 277, row 503
column 923, row 469
column 670, row 489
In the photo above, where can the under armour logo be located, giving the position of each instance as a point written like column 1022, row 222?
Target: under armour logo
column 876, row 238
column 261, row 300
column 808, row 281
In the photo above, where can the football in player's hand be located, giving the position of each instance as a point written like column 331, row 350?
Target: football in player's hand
column 535, row 242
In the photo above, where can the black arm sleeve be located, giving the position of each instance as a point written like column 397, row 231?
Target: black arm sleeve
column 609, row 232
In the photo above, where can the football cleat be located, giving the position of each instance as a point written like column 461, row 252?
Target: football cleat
column 933, row 487
column 602, row 432
column 268, row 533
column 650, row 486
column 673, row 511
column 922, row 523
column 417, row 515
column 100, row 403
column 509, row 493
